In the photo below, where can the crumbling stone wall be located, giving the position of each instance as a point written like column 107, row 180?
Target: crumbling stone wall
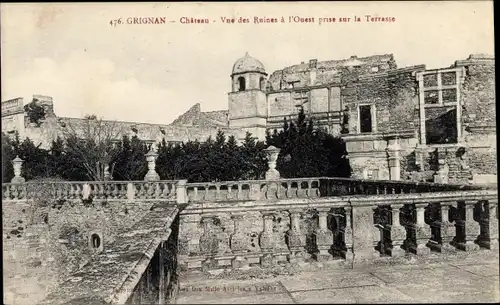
column 43, row 245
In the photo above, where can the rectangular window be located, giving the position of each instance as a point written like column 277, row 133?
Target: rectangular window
column 431, row 97
column 441, row 125
column 449, row 95
column 365, row 118
column 430, row 80
column 448, row 78
column 439, row 101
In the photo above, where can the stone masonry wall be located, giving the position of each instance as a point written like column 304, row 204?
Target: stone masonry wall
column 43, row 245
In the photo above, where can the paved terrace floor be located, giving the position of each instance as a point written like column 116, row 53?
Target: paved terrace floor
column 463, row 280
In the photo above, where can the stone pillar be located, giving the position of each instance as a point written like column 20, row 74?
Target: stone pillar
column 472, row 228
column 323, row 236
column 17, row 163
column 422, row 230
column 441, row 175
column 398, row 232
column 85, row 191
column 294, row 235
column 181, row 192
column 272, row 156
column 267, row 240
column 393, row 156
column 362, row 233
column 239, row 243
column 492, row 225
column 152, row 175
column 209, row 244
column 130, row 192
column 448, row 229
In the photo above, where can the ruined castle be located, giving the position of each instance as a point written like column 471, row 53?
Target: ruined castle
column 399, row 123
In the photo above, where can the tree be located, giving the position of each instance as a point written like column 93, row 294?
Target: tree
column 35, row 112
column 93, row 145
column 307, row 151
column 8, row 154
column 130, row 161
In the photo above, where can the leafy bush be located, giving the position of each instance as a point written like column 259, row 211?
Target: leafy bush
column 35, row 112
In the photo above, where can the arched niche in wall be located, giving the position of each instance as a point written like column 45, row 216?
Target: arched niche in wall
column 241, row 83
column 96, row 242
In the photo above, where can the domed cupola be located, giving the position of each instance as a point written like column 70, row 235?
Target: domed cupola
column 248, row 64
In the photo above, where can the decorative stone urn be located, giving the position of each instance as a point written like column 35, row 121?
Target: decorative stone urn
column 272, row 156
column 17, row 163
column 152, row 175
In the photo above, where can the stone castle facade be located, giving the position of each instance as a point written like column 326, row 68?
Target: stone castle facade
column 399, row 123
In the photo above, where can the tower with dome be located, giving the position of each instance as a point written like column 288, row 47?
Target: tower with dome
column 247, row 100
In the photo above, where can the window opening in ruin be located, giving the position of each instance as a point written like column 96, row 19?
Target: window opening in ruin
column 440, row 106
column 441, row 126
column 262, row 83
column 241, row 83
column 365, row 118
column 95, row 240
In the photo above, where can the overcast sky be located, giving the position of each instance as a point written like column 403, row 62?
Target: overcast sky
column 153, row 73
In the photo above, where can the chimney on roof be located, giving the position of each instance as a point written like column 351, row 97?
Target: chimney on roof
column 313, row 63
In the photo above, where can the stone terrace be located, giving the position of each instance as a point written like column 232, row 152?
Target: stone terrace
column 342, row 230
column 463, row 280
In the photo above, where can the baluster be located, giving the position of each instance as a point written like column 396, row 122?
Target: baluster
column 378, row 240
column 448, row 229
column 71, row 191
column 289, row 189
column 115, row 191
column 217, row 191
column 347, row 234
column 196, row 193
column 206, row 187
column 239, row 242
column 422, row 230
column 6, row 194
column 164, row 193
column 76, row 191
column 295, row 242
column 157, row 190
column 266, row 240
column 491, row 225
column 398, row 232
column 309, row 189
column 472, row 228
column 101, row 194
column 323, row 237
column 139, row 191
column 172, row 192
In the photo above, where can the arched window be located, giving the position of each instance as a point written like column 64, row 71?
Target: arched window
column 241, row 83
column 262, row 83
column 95, row 240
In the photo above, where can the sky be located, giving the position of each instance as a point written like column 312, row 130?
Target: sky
column 152, row 73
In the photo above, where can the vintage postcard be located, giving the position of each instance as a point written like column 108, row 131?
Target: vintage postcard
column 249, row 152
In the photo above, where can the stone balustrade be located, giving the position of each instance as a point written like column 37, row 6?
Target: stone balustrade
column 345, row 229
column 97, row 190
column 221, row 191
column 252, row 190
